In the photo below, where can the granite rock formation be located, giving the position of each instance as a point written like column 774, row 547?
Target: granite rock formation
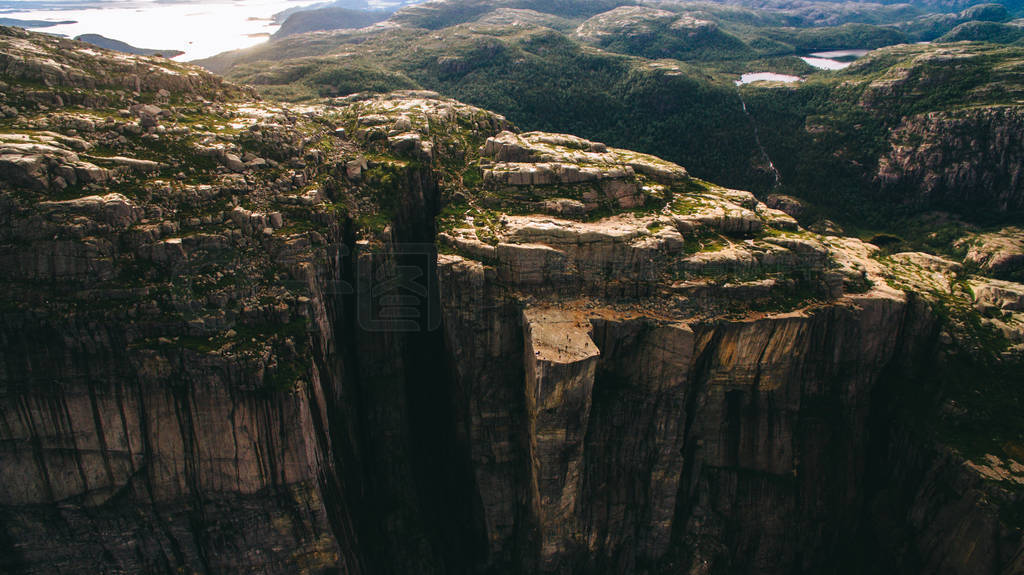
column 392, row 334
column 986, row 149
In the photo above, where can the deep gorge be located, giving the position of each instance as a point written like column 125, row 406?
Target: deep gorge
column 612, row 367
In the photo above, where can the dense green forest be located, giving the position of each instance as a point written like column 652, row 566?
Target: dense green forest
column 661, row 78
column 541, row 79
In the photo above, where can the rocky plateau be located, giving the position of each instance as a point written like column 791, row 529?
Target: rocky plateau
column 394, row 334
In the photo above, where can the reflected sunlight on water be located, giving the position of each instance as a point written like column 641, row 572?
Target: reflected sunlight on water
column 766, row 77
column 200, row 29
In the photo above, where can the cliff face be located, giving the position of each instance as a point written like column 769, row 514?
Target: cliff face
column 904, row 130
column 230, row 344
column 646, row 435
column 130, row 443
column 986, row 170
column 949, row 116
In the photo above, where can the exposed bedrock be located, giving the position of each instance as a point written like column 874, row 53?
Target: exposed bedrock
column 140, row 460
column 241, row 351
column 739, row 440
column 920, row 168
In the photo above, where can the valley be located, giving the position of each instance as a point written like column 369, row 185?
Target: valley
column 519, row 287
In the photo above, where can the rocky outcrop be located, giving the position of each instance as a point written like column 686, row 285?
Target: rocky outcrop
column 160, row 408
column 675, row 403
column 561, row 361
column 251, row 357
column 998, row 253
column 788, row 204
column 657, row 33
column 44, row 164
column 907, row 129
column 72, row 75
column 558, row 162
column 986, row 171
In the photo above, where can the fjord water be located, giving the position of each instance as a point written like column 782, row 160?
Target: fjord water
column 833, row 59
column 199, row 29
column 766, row 77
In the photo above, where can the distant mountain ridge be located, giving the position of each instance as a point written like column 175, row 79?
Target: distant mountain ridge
column 329, row 18
column 33, row 23
column 119, row 46
column 396, row 334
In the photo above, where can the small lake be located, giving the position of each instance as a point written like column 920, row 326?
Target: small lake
column 836, row 54
column 751, row 77
column 833, row 59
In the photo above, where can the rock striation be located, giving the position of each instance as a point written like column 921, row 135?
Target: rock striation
column 997, row 253
column 390, row 333
column 919, row 161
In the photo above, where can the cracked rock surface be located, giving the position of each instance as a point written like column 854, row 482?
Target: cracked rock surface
column 606, row 366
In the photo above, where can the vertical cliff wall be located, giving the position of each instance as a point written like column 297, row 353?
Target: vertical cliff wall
column 736, row 440
column 391, row 335
column 146, row 453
